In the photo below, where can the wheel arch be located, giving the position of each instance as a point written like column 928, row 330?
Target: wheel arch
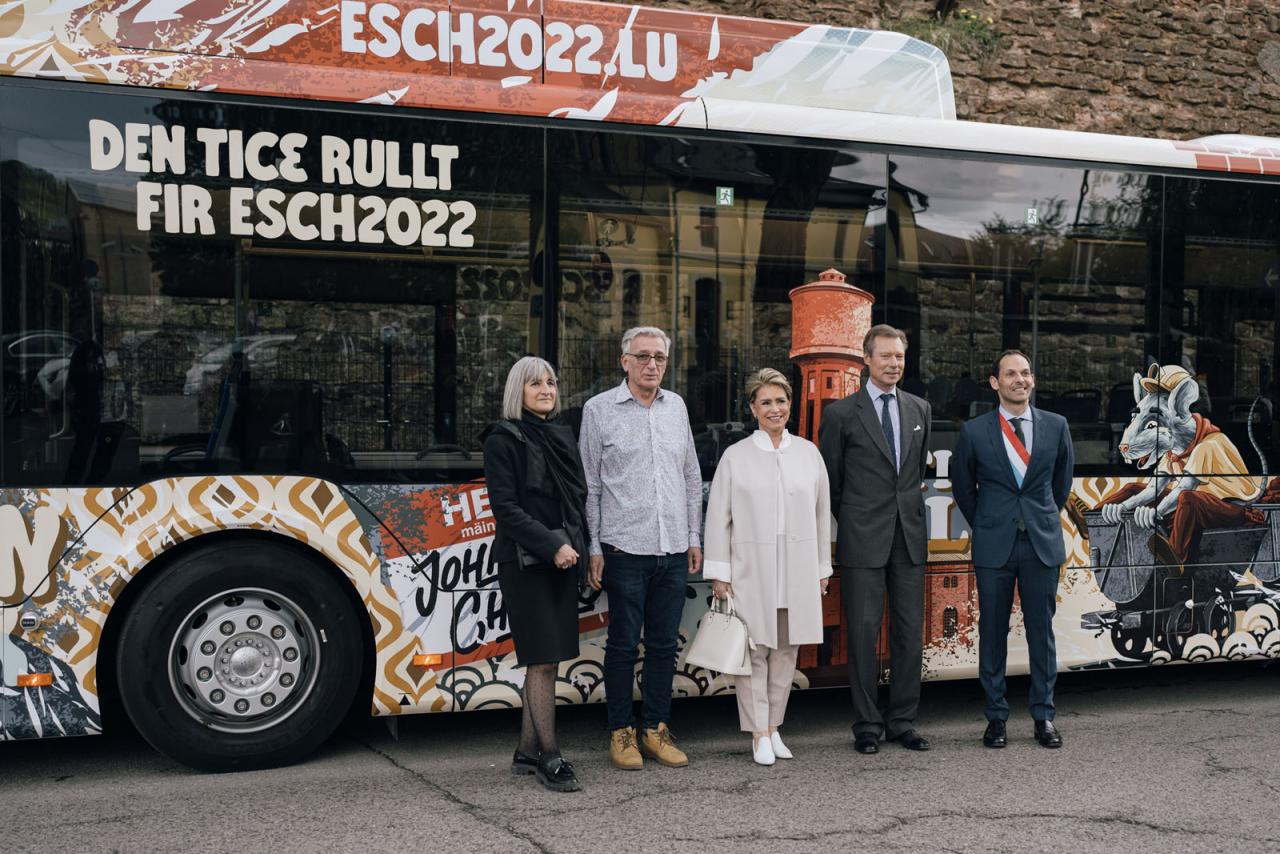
column 112, row 708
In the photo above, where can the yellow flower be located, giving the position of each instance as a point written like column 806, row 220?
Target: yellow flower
column 989, row 21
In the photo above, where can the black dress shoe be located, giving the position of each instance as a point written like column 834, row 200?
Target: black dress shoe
column 865, row 742
column 911, row 740
column 523, row 763
column 1047, row 734
column 557, row 775
column 995, row 735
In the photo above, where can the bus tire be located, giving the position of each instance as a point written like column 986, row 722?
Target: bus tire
column 244, row 655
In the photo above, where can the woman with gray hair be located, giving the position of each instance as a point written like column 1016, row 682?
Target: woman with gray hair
column 768, row 547
column 538, row 494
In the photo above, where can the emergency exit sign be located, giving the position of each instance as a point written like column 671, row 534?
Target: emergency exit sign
column 724, row 196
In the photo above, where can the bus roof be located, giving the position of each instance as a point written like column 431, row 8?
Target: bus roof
column 1229, row 153
column 558, row 58
column 565, row 58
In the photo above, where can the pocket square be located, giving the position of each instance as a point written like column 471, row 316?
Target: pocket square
column 915, row 428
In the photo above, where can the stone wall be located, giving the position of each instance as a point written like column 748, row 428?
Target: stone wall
column 1169, row 68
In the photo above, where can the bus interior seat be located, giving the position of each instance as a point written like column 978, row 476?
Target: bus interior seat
column 1120, row 403
column 1077, row 405
column 216, row 449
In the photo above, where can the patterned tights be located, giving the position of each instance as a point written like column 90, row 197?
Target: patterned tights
column 538, row 721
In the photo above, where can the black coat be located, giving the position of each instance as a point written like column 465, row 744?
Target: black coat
column 525, row 512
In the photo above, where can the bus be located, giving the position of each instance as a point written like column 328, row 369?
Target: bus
column 264, row 267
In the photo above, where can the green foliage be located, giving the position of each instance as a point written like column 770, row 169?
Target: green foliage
column 965, row 33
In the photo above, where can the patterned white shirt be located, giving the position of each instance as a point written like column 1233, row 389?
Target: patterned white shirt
column 644, row 487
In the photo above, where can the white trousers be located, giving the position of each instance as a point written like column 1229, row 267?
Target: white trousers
column 762, row 696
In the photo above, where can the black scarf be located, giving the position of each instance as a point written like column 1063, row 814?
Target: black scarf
column 559, row 451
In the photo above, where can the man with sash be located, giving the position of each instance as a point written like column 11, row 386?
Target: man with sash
column 1010, row 476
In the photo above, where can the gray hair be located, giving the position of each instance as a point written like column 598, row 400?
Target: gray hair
column 522, row 373
column 637, row 331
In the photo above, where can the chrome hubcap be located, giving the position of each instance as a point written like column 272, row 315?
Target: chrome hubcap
column 244, row 660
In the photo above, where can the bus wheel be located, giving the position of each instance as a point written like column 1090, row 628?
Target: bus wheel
column 241, row 655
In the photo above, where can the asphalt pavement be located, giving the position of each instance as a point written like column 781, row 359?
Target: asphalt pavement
column 1172, row 759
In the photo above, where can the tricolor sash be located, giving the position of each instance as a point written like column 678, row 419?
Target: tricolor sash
column 1016, row 451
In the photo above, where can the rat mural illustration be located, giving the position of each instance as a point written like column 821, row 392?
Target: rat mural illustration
column 1190, row 556
column 1200, row 480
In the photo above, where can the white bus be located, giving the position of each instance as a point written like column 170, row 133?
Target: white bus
column 263, row 269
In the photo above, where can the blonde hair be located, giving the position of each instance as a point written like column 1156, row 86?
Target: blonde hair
column 764, row 377
column 522, row 373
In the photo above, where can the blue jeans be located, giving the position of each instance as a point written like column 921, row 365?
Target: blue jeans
column 646, row 592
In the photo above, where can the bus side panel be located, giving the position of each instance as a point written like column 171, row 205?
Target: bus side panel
column 1121, row 603
column 437, row 556
column 39, row 533
column 112, row 534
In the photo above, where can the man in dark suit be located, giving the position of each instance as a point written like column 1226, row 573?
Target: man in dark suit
column 1011, row 475
column 876, row 446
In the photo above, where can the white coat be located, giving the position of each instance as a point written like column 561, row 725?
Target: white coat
column 740, row 544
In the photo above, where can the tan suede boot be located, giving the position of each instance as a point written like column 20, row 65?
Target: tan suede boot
column 622, row 749
column 660, row 744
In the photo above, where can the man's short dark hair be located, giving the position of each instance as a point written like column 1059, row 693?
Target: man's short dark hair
column 882, row 330
column 995, row 366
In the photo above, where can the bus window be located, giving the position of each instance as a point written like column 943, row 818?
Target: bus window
column 104, row 325
column 703, row 239
column 349, row 309
column 1222, row 273
column 1055, row 262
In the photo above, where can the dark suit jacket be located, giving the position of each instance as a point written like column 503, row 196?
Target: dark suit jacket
column 988, row 495
column 867, row 495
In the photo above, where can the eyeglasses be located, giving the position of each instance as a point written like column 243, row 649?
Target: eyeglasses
column 659, row 359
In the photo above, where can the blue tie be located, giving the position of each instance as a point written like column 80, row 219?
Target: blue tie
column 887, row 424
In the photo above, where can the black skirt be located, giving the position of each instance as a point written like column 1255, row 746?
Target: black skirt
column 542, row 610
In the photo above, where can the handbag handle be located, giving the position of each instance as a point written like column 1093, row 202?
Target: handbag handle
column 724, row 606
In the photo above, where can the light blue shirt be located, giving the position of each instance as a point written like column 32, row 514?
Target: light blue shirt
column 876, row 395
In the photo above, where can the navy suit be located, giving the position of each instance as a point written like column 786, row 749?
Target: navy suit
column 1017, row 537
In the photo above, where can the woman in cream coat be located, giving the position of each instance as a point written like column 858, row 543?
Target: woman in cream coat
column 768, row 546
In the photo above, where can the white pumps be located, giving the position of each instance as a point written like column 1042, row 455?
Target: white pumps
column 779, row 749
column 762, row 752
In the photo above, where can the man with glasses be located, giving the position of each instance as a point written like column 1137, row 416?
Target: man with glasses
column 644, row 513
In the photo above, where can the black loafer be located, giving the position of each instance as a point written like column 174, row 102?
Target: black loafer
column 865, row 742
column 911, row 740
column 557, row 775
column 1047, row 734
column 995, row 735
column 523, row 764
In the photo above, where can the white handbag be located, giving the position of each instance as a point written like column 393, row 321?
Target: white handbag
column 722, row 643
